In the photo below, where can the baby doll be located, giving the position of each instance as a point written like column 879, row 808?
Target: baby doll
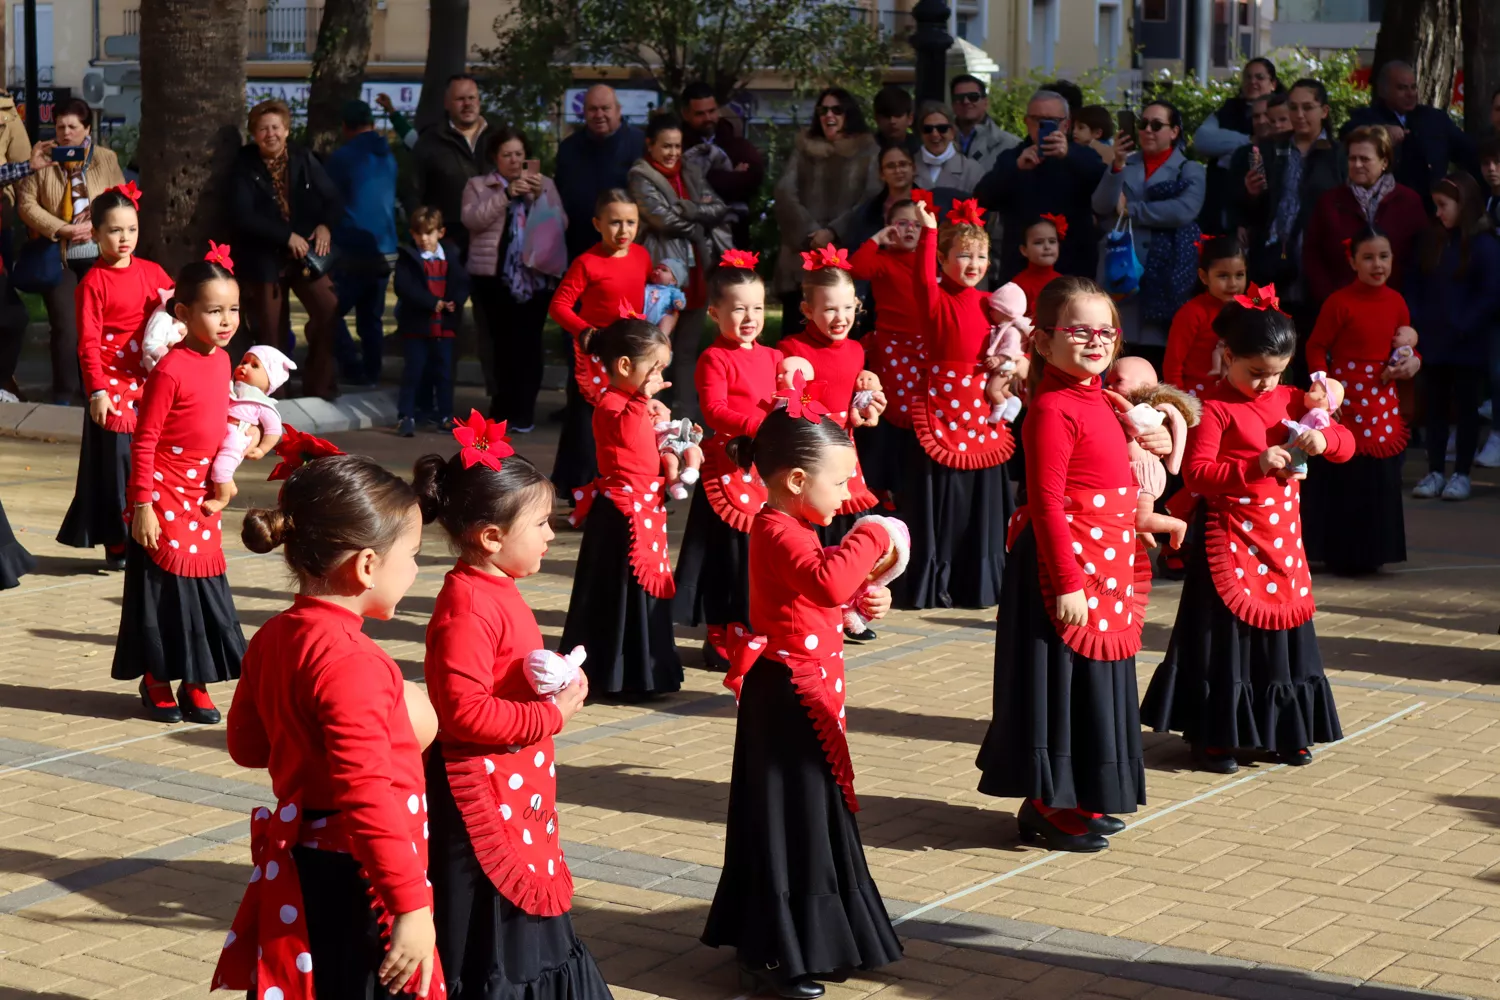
column 1403, row 345
column 254, row 423
column 890, row 566
column 790, row 367
column 1005, row 356
column 1322, row 401
column 1145, row 403
column 664, row 297
column 163, row 332
column 678, row 441
column 550, row 672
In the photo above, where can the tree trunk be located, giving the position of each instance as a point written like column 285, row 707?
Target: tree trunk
column 338, row 68
column 192, row 111
column 1424, row 33
column 447, row 54
column 1481, row 63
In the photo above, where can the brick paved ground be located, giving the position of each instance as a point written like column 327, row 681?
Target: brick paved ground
column 1374, row 871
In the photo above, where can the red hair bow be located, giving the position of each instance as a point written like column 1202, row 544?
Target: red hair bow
column 482, row 441
column 740, row 258
column 921, row 197
column 1059, row 222
column 803, row 399
column 129, row 190
column 218, row 253
column 1203, row 240
column 1260, row 298
column 626, row 312
column 829, row 256
column 1348, row 246
column 967, row 213
column 295, row 448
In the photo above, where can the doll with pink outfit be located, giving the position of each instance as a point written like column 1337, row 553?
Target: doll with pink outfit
column 1322, row 401
column 1005, row 354
column 1143, row 403
column 254, row 423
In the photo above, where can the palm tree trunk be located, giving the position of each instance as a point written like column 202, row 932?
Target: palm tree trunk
column 1424, row 33
column 338, row 68
column 192, row 110
column 447, row 54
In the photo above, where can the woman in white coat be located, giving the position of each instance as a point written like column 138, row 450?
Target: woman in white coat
column 940, row 164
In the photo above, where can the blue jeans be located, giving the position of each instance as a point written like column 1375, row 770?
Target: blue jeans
column 429, row 362
column 364, row 293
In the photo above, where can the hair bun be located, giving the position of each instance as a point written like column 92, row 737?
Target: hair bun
column 429, row 479
column 741, row 451
column 264, row 529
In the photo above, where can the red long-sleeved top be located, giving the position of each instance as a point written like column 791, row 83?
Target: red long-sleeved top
column 597, row 285
column 625, row 436
column 892, row 276
column 958, row 317
column 1074, row 442
column 322, row 708
column 115, row 301
column 837, row 363
column 185, row 404
column 1223, row 451
column 732, row 382
column 1356, row 323
column 796, row 585
column 477, row 641
column 1191, row 344
column 1032, row 281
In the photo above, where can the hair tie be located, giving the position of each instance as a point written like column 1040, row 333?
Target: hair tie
column 802, row 399
column 825, row 257
column 740, row 258
column 966, row 213
column 1260, row 298
column 296, row 448
column 1059, row 222
column 130, row 191
column 218, row 253
column 482, row 442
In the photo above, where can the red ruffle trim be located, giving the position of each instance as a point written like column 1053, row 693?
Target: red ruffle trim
column 731, row 513
column 1256, row 614
column 1394, row 444
column 652, row 570
column 988, row 454
column 813, row 694
column 590, row 375
column 1093, row 644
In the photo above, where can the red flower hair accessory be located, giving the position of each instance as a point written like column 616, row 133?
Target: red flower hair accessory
column 967, row 213
column 1059, row 222
column 295, row 449
column 1203, row 240
column 1348, row 246
column 803, row 399
column 829, row 256
column 740, row 258
column 482, row 441
column 129, row 190
column 921, row 197
column 626, row 312
column 1260, row 298
column 218, row 253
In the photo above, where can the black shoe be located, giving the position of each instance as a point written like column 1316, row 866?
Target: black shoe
column 114, row 560
column 1214, row 761
column 767, row 982
column 158, row 713
column 867, row 635
column 1106, row 824
column 1297, row 758
column 192, row 713
column 713, row 660
column 1034, row 826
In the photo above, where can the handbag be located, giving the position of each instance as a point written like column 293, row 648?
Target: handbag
column 1122, row 268
column 315, row 266
column 37, row 267
column 544, row 246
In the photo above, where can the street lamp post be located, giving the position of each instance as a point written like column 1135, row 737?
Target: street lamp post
column 931, row 42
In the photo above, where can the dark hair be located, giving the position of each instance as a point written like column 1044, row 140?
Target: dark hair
column 425, row 219
column 1035, row 221
column 661, row 122
column 1268, row 64
column 698, row 90
column 723, row 278
column 1276, row 99
column 1254, row 333
column 854, row 116
column 1174, row 119
column 1096, row 117
column 1321, row 93
column 458, row 78
column 105, row 203
column 1068, row 91
column 192, row 278
column 1472, row 221
column 968, row 78
column 329, row 508
column 611, row 196
column 786, row 442
column 1365, row 235
column 1489, row 147
column 465, row 500
column 624, row 338
column 78, row 108
column 897, row 206
column 880, row 160
column 892, row 101
column 1220, row 248
column 500, row 137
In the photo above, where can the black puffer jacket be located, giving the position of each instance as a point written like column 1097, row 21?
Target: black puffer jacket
column 261, row 234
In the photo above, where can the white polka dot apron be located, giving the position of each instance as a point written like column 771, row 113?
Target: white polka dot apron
column 949, row 414
column 642, row 503
column 816, row 662
column 508, row 799
column 860, row 497
column 1102, row 525
column 267, row 951
column 898, row 369
column 1371, row 410
column 191, row 543
column 124, row 377
column 1254, row 548
column 736, row 495
column 590, row 374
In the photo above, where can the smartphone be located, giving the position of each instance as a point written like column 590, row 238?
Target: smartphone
column 69, row 154
column 1126, row 121
column 1044, row 129
column 533, row 167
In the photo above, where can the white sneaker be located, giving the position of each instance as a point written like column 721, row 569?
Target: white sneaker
column 1430, row 486
column 1489, row 454
column 1487, row 409
column 6, row 396
column 1458, row 487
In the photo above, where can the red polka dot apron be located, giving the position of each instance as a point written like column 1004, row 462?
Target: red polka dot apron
column 124, row 377
column 508, row 799
column 267, row 951
column 736, row 495
column 191, row 543
column 860, row 497
column 590, row 374
column 1254, row 548
column 816, row 661
column 898, row 367
column 949, row 414
column 1371, row 410
column 642, row 503
column 1102, row 525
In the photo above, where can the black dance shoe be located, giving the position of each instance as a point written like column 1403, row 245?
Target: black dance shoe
column 196, row 706
column 158, row 713
column 1297, row 758
column 714, row 660
column 769, row 982
column 1104, row 824
column 1214, row 761
column 1034, row 826
column 114, row 561
column 866, row 636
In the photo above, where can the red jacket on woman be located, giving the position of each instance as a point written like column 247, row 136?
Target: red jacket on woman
column 1336, row 218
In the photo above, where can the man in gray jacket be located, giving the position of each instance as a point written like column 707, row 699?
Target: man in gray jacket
column 982, row 141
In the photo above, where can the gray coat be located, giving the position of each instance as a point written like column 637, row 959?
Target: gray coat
column 959, row 172
column 822, row 180
column 694, row 228
column 988, row 142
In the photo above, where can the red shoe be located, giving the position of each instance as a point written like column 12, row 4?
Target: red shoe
column 157, row 697
column 196, row 705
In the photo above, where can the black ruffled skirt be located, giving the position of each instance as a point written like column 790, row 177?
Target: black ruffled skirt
column 490, row 948
column 1228, row 685
column 15, row 561
column 713, row 569
column 795, row 891
column 627, row 632
column 576, row 464
column 957, row 519
column 176, row 628
column 1352, row 514
column 882, row 454
column 97, row 514
column 1066, row 729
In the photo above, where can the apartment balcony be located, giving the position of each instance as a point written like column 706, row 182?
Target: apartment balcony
column 274, row 34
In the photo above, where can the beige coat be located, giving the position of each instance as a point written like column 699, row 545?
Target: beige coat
column 822, row 181
column 41, row 199
column 15, row 146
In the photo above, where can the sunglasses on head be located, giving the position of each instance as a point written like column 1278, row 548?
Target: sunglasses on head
column 1154, row 124
column 936, row 129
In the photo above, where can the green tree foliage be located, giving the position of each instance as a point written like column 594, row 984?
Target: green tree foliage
column 1197, row 101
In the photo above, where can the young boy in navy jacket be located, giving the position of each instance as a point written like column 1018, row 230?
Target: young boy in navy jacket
column 431, row 288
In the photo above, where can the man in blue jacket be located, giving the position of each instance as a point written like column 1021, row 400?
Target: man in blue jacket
column 364, row 170
column 592, row 160
column 1427, row 139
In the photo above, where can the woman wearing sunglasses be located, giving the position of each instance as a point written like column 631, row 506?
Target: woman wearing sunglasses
column 940, row 164
column 1154, row 186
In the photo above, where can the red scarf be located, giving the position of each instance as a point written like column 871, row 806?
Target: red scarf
column 673, row 176
column 1154, row 160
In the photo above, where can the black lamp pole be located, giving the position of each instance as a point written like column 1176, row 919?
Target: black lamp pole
column 33, row 116
column 931, row 42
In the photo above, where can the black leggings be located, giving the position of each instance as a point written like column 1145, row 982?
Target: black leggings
column 1450, row 387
